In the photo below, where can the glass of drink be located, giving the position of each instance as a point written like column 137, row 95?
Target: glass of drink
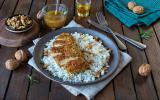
column 83, row 7
column 54, row 15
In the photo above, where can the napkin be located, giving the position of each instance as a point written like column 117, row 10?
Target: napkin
column 119, row 9
column 89, row 91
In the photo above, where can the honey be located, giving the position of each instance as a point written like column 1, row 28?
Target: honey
column 54, row 19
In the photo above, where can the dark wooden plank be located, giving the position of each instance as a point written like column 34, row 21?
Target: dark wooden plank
column 58, row 92
column 156, row 27
column 108, row 91
column 18, row 81
column 36, row 6
column 38, row 91
column 1, row 3
column 79, row 97
column 157, row 31
column 70, row 5
column 18, row 84
column 144, row 86
column 50, row 1
column 5, row 52
column 153, row 55
column 23, row 7
column 122, row 90
column 7, row 8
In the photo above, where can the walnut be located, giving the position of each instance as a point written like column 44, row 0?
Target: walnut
column 104, row 69
column 96, row 39
column 89, row 46
column 138, row 9
column 12, row 64
column 45, row 66
column 21, row 55
column 45, row 53
column 97, row 74
column 131, row 5
column 19, row 21
column 144, row 69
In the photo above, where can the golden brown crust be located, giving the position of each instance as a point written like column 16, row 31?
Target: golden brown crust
column 77, row 65
column 71, row 57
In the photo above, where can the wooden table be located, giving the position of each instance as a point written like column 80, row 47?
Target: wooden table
column 128, row 85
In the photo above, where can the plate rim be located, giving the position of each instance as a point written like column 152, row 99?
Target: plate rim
column 51, row 77
column 19, row 31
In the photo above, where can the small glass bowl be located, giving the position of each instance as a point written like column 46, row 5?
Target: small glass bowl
column 54, row 15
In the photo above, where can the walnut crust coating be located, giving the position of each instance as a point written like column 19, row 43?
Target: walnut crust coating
column 68, row 54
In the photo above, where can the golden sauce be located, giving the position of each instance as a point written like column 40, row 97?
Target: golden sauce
column 83, row 10
column 54, row 19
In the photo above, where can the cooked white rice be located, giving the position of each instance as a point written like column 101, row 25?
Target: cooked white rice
column 99, row 55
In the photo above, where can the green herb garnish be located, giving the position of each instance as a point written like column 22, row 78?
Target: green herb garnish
column 32, row 79
column 145, row 34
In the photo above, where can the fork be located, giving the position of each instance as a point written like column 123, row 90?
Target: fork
column 102, row 21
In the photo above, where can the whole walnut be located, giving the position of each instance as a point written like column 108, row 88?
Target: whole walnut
column 138, row 9
column 21, row 55
column 144, row 69
column 131, row 5
column 12, row 64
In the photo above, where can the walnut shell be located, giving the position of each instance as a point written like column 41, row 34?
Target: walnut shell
column 144, row 69
column 131, row 5
column 12, row 64
column 138, row 9
column 21, row 55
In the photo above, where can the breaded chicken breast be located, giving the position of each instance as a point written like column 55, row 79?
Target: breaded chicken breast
column 68, row 55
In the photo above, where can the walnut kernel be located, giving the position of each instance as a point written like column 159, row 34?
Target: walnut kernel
column 89, row 46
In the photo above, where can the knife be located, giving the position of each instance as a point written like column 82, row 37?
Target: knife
column 131, row 41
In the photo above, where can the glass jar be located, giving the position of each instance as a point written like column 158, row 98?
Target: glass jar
column 54, row 15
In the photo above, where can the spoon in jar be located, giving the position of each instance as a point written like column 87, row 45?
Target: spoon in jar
column 40, row 14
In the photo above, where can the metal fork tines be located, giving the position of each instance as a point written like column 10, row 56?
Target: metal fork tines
column 101, row 19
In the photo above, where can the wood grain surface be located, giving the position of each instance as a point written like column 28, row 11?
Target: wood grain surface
column 127, row 85
column 11, row 39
